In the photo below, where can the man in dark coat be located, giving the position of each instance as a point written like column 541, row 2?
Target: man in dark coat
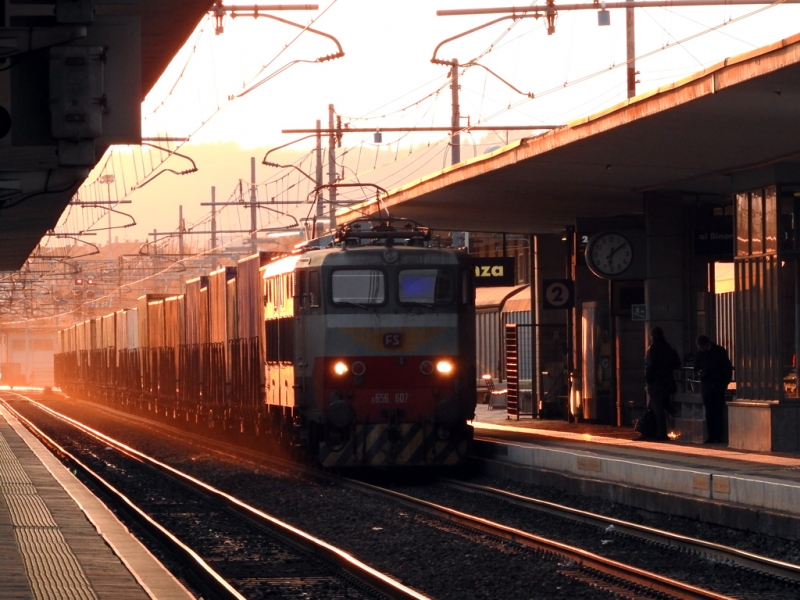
column 715, row 371
column 660, row 362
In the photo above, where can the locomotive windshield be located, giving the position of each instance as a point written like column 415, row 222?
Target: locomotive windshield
column 425, row 286
column 359, row 286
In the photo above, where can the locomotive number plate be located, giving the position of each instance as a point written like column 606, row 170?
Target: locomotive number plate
column 387, row 397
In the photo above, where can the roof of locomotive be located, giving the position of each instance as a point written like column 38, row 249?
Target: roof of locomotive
column 366, row 255
column 375, row 255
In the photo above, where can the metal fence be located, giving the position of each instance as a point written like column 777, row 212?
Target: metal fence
column 545, row 395
column 725, row 324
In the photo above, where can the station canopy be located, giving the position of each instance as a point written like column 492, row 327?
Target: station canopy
column 28, row 158
column 731, row 127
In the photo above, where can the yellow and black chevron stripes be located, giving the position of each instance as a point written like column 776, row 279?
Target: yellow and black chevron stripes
column 408, row 444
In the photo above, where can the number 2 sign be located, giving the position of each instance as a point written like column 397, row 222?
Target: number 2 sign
column 558, row 293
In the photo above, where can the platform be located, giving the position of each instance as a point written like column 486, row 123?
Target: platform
column 58, row 541
column 758, row 491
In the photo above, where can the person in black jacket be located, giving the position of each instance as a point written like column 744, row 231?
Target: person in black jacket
column 660, row 362
column 715, row 371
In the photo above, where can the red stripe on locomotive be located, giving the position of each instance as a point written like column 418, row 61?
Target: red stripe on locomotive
column 411, row 383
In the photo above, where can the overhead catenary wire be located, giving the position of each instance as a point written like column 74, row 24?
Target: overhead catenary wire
column 219, row 106
column 668, row 36
column 696, row 22
column 341, row 158
column 288, row 45
column 169, row 153
column 638, row 58
column 611, row 90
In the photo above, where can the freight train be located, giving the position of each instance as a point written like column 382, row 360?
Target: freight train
column 358, row 352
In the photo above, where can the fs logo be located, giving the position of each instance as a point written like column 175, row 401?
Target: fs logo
column 493, row 271
column 392, row 340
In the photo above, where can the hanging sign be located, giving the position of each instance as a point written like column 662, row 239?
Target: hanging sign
column 494, row 271
column 558, row 294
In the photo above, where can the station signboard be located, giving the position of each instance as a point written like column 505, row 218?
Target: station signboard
column 494, row 271
column 715, row 238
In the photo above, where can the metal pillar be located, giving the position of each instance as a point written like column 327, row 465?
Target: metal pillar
column 630, row 33
column 318, row 183
column 796, row 259
column 332, row 166
column 455, row 124
column 614, row 358
column 253, row 205
column 537, row 383
column 213, row 217
column 180, row 230
column 573, row 333
column 119, row 280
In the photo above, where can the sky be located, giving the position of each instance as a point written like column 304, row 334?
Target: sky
column 233, row 93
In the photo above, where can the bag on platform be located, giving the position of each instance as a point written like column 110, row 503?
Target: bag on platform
column 646, row 424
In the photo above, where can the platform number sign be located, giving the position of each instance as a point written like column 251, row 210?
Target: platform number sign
column 558, row 293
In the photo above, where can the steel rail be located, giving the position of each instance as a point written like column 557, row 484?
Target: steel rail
column 205, row 572
column 725, row 553
column 741, row 558
column 341, row 559
column 587, row 560
column 203, row 442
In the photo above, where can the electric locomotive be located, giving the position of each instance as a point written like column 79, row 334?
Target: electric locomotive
column 358, row 350
column 370, row 348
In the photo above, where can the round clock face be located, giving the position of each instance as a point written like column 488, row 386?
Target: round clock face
column 609, row 254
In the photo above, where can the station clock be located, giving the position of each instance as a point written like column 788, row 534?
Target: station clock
column 609, row 254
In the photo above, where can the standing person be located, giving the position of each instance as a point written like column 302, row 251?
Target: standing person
column 660, row 362
column 714, row 368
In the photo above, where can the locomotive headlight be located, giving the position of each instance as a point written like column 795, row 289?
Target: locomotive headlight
column 444, row 367
column 340, row 368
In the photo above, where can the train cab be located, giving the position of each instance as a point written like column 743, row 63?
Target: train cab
column 379, row 369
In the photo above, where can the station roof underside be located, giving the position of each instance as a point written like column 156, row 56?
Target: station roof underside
column 163, row 28
column 710, row 135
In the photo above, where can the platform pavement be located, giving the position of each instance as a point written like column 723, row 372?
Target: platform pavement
column 57, row 540
column 760, row 490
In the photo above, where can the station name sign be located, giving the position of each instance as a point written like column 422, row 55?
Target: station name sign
column 716, row 239
column 494, row 271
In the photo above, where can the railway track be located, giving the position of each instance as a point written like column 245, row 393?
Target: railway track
column 718, row 552
column 744, row 574
column 617, row 577
column 237, row 551
column 702, row 569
